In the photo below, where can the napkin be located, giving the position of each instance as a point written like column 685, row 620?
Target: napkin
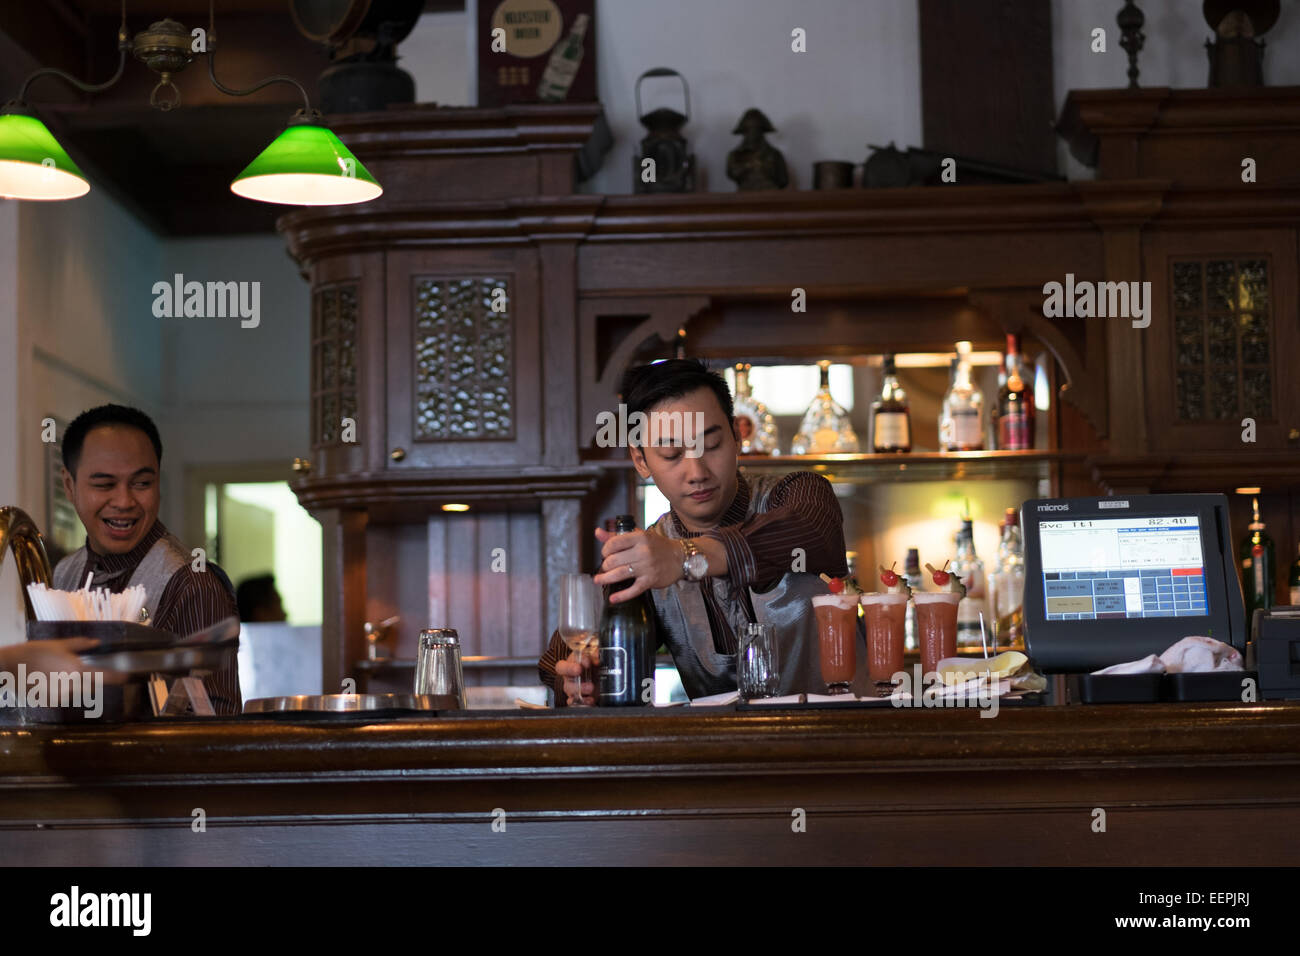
column 1201, row 655
column 1151, row 664
column 716, row 700
column 1191, row 655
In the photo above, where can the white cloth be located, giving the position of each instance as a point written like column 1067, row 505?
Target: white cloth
column 1191, row 655
column 1151, row 664
column 1201, row 655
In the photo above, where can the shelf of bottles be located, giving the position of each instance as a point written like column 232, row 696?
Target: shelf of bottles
column 977, row 440
column 864, row 469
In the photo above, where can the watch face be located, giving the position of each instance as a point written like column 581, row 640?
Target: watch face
column 697, row 565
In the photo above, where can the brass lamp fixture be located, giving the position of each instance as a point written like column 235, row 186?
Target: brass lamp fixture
column 306, row 165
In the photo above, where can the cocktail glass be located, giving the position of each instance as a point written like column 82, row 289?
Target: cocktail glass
column 885, row 616
column 837, row 627
column 936, row 622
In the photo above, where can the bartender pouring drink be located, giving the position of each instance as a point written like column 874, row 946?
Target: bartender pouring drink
column 731, row 550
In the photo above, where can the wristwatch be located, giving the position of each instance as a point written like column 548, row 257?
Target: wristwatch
column 695, row 565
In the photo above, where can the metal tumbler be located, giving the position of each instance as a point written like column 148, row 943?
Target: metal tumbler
column 437, row 666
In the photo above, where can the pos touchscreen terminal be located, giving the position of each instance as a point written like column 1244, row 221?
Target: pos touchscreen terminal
column 1114, row 579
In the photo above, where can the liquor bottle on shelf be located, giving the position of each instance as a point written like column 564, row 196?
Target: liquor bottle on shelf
column 625, row 676
column 1294, row 582
column 970, row 569
column 945, row 418
column 1015, row 409
column 825, row 429
column 891, row 416
column 754, row 423
column 1257, row 563
column 962, row 422
column 912, row 573
column 1007, row 589
column 563, row 65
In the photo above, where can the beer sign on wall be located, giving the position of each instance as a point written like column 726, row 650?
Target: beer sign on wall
column 536, row 51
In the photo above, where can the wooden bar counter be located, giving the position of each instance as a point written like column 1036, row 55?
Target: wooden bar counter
column 1185, row 784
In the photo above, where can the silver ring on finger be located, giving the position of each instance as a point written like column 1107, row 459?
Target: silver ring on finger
column 631, row 570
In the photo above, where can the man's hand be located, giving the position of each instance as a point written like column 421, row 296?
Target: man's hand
column 568, row 671
column 639, row 559
column 55, row 656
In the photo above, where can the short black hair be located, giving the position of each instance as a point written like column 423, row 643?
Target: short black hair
column 253, row 593
column 645, row 386
column 75, row 434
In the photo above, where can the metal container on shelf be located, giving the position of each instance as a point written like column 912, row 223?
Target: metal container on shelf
column 350, row 703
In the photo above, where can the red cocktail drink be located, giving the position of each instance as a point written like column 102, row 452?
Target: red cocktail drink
column 885, row 615
column 837, row 625
column 936, row 620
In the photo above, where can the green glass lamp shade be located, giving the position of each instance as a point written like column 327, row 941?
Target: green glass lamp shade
column 32, row 163
column 306, row 165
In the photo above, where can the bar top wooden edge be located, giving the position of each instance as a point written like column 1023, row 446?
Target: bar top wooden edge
column 712, row 742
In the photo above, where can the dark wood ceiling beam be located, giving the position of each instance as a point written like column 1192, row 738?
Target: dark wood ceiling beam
column 34, row 35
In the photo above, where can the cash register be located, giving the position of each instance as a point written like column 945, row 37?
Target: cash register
column 1114, row 579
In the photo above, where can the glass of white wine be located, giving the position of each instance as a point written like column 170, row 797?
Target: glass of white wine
column 579, row 626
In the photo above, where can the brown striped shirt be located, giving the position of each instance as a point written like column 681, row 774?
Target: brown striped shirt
column 801, row 513
column 191, row 601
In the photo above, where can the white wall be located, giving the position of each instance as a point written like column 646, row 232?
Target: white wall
column 11, row 607
column 1173, row 54
column 77, row 329
column 858, row 83
column 234, row 394
column 439, row 55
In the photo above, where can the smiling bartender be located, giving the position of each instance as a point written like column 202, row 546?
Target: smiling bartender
column 726, row 552
column 111, row 457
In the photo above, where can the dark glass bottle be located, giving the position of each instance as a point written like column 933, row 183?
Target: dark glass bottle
column 912, row 574
column 1293, row 583
column 1257, row 563
column 891, row 416
column 1015, row 409
column 625, row 677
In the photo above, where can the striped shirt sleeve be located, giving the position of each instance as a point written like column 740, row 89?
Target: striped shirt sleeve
column 191, row 601
column 555, row 650
column 802, row 513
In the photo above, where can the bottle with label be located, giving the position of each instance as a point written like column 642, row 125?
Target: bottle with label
column 962, row 422
column 1294, row 582
column 625, row 676
column 1257, row 563
column 754, row 423
column 945, row 420
column 1015, row 411
column 563, row 65
column 891, row 416
column 1008, row 586
column 912, row 573
column 970, row 569
column 825, row 429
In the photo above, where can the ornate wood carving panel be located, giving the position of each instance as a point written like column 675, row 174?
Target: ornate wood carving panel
column 464, row 357
column 334, row 317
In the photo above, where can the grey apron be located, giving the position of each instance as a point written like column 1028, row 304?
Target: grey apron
column 683, row 622
column 165, row 558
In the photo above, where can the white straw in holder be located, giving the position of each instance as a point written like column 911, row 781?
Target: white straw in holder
column 86, row 605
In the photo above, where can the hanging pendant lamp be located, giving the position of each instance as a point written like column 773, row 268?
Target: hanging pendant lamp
column 306, row 165
column 32, row 163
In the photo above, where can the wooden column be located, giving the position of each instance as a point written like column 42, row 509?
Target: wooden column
column 343, row 607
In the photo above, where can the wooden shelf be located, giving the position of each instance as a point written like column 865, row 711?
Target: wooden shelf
column 913, row 466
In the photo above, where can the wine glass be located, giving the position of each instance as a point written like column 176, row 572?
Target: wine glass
column 580, row 608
